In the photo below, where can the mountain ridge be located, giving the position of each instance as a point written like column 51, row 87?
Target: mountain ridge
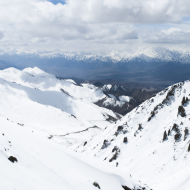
column 152, row 141
column 146, row 54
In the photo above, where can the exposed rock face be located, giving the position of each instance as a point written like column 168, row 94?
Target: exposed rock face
column 126, row 188
column 177, row 137
column 165, row 136
column 125, row 140
column 186, row 133
column 13, row 159
column 119, row 95
column 188, row 148
column 96, row 185
column 105, row 144
column 181, row 111
column 184, row 101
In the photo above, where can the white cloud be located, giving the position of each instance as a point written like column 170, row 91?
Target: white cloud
column 88, row 24
column 172, row 35
column 1, row 35
column 171, row 31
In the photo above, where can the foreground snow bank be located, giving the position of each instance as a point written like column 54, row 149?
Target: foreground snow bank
column 44, row 164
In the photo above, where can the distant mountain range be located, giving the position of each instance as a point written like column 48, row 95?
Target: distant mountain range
column 158, row 67
column 147, row 54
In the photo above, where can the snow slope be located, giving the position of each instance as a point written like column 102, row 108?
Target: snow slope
column 43, row 164
column 48, row 90
column 39, row 100
column 152, row 142
column 38, row 79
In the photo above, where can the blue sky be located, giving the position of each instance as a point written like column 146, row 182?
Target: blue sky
column 57, row 1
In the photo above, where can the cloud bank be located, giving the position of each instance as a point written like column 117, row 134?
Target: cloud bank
column 94, row 25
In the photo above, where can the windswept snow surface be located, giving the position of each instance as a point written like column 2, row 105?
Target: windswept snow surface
column 35, row 98
column 43, row 164
column 152, row 142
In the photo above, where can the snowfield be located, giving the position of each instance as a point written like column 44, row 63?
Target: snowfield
column 152, row 142
column 40, row 116
column 43, row 164
column 58, row 107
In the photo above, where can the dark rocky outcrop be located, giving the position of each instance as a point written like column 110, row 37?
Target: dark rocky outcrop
column 140, row 127
column 177, row 137
column 186, row 133
column 116, row 133
column 188, row 148
column 126, row 188
column 175, row 128
column 110, row 118
column 114, row 157
column 105, row 144
column 50, row 137
column 152, row 114
column 170, row 94
column 181, row 111
column 13, row 159
column 165, row 137
column 184, row 101
column 119, row 129
column 96, row 185
column 117, row 151
column 125, row 140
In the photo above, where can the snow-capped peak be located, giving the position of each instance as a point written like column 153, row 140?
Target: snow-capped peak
column 37, row 72
column 145, row 53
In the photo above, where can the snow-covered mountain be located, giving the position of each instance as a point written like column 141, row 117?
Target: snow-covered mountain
column 39, row 116
column 61, row 108
column 109, row 88
column 29, row 160
column 152, row 142
column 159, row 67
column 38, row 110
column 113, row 100
column 146, row 54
